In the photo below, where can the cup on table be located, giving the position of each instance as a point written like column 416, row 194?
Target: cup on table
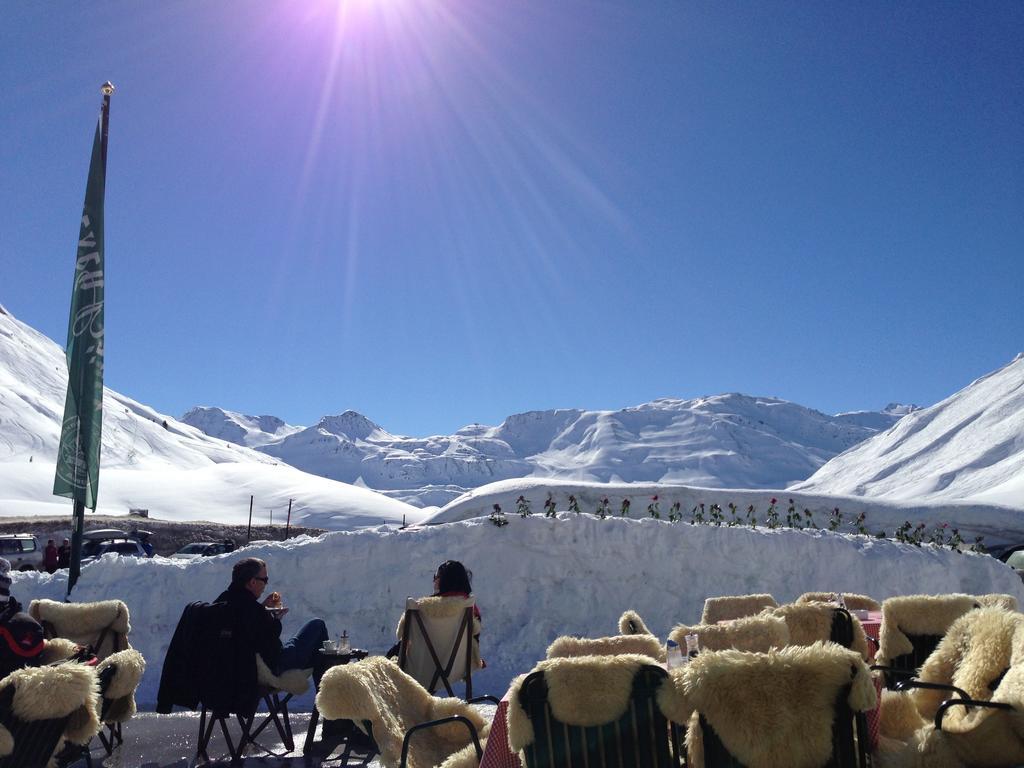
column 328, row 647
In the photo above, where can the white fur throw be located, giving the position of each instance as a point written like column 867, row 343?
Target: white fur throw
column 440, row 608
column 6, row 742
column 129, row 666
column 917, row 615
column 729, row 607
column 44, row 693
column 583, row 690
column 84, row 622
column 294, row 681
column 753, row 633
column 995, row 600
column 375, row 689
column 630, row 623
column 853, row 602
column 57, row 649
column 812, row 622
column 775, row 709
column 644, row 645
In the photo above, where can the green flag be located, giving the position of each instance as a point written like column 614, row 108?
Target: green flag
column 78, row 458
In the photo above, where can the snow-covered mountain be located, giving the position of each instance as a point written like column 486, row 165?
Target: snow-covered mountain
column 970, row 446
column 250, row 431
column 730, row 440
column 148, row 459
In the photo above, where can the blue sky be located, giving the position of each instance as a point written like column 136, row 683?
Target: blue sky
column 441, row 213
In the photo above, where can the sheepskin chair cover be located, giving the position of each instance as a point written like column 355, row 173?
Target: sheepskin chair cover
column 630, row 623
column 643, row 645
column 984, row 738
column 995, row 600
column 57, row 649
column 775, row 709
column 6, row 742
column 582, row 690
column 120, row 693
column 757, row 634
column 442, row 617
column 730, row 607
column 294, row 681
column 84, row 623
column 812, row 622
column 46, row 693
column 375, row 689
column 917, row 615
column 977, row 650
column 853, row 602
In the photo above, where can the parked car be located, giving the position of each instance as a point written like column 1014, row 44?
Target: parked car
column 95, row 549
column 203, row 549
column 1014, row 557
column 21, row 551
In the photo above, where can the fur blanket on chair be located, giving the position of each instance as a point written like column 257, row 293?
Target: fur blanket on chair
column 294, row 681
column 644, row 645
column 120, row 692
column 630, row 623
column 977, row 651
column 853, row 602
column 757, row 634
column 44, row 693
column 83, row 623
column 773, row 710
column 995, row 600
column 582, row 690
column 983, row 738
column 730, row 607
column 812, row 622
column 918, row 615
column 375, row 689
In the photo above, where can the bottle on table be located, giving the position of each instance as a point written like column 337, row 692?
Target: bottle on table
column 343, row 644
column 692, row 646
column 673, row 655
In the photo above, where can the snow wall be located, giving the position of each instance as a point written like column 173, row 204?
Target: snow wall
column 535, row 579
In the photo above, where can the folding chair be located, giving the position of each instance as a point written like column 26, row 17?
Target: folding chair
column 411, row 727
column 799, row 707
column 969, row 663
column 103, row 626
column 593, row 710
column 437, row 642
column 231, row 684
column 730, row 607
column 853, row 602
column 644, row 645
column 760, row 633
column 912, row 627
column 42, row 707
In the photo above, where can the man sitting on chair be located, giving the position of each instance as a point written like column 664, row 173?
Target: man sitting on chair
column 248, row 581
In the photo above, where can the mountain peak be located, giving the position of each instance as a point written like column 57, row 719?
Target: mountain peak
column 350, row 424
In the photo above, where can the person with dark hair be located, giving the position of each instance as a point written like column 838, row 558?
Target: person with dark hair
column 451, row 579
column 50, row 557
column 64, row 554
column 249, row 579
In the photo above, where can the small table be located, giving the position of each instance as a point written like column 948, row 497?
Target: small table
column 322, row 661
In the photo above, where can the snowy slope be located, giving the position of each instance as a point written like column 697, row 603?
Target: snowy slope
column 535, row 579
column 150, row 460
column 723, row 441
column 970, row 446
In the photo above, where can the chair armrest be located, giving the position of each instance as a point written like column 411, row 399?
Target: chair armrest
column 904, row 685
column 434, row 723
column 892, row 670
column 484, row 697
column 949, row 703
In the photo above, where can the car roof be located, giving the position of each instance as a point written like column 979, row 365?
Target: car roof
column 16, row 536
column 106, row 533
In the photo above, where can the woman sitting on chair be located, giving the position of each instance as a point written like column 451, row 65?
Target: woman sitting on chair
column 451, row 579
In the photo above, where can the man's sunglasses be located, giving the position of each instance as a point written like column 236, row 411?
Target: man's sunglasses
column 264, row 579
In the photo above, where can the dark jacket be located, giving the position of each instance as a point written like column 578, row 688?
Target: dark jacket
column 258, row 623
column 179, row 679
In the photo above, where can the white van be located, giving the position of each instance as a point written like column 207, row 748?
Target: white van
column 21, row 551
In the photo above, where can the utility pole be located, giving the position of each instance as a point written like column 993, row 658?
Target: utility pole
column 248, row 533
column 288, row 525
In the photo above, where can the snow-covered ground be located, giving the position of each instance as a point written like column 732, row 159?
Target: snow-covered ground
column 535, row 579
column 152, row 461
column 969, row 447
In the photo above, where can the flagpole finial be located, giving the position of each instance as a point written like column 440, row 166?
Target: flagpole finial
column 107, row 88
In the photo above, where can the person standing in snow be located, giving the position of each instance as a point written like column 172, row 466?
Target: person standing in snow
column 50, row 557
column 249, row 579
column 64, row 554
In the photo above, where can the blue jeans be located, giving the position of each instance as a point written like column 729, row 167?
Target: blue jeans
column 298, row 652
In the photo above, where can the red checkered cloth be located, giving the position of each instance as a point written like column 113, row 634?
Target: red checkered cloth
column 497, row 753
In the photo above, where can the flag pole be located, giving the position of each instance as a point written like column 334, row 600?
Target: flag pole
column 77, row 474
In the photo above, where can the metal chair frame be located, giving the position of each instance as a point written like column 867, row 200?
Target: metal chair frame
column 442, row 672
